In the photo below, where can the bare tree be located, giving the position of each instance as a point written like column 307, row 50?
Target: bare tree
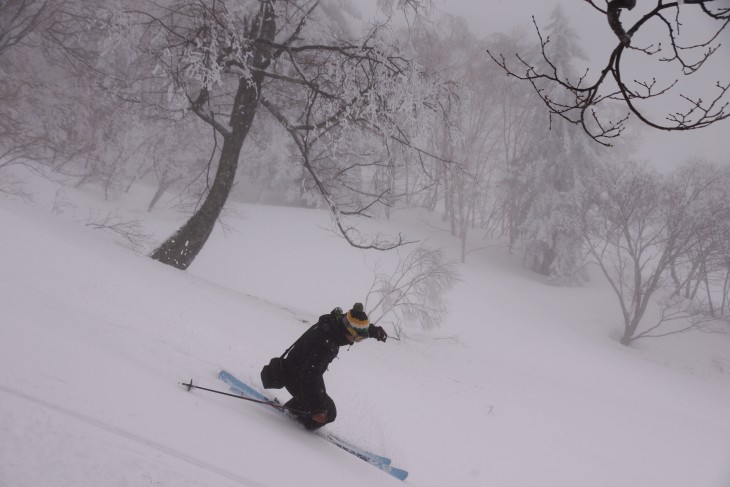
column 131, row 232
column 465, row 132
column 174, row 156
column 704, row 266
column 56, row 108
column 20, row 18
column 676, row 316
column 414, row 291
column 725, row 293
column 636, row 225
column 586, row 99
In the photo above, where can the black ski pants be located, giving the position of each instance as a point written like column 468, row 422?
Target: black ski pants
column 310, row 395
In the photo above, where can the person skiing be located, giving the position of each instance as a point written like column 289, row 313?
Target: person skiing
column 307, row 360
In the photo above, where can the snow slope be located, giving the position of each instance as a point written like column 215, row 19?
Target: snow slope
column 522, row 386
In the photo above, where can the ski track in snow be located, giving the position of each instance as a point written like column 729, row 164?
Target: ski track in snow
column 135, row 438
column 546, row 397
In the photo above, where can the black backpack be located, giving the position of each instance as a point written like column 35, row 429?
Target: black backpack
column 273, row 376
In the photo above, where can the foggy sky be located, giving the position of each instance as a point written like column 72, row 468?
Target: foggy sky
column 664, row 149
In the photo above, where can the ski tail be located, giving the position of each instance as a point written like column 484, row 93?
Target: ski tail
column 241, row 387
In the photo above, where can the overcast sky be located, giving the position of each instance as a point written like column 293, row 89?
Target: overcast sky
column 665, row 149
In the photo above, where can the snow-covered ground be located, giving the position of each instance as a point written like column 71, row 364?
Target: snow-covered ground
column 523, row 385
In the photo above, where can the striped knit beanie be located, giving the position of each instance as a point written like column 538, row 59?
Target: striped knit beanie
column 358, row 320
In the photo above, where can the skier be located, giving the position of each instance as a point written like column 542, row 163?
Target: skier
column 307, row 361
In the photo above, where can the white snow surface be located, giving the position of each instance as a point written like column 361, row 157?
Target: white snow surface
column 523, row 385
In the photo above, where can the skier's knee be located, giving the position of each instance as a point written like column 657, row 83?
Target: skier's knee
column 325, row 414
column 331, row 409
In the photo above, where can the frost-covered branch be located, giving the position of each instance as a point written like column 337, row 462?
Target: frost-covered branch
column 414, row 291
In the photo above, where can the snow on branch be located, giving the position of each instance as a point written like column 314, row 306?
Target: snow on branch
column 414, row 291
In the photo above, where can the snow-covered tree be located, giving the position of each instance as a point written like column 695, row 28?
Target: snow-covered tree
column 466, row 132
column 227, row 61
column 638, row 224
column 557, row 159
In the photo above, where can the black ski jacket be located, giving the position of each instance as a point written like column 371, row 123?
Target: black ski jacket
column 310, row 356
column 316, row 348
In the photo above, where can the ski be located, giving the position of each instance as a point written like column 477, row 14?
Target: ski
column 364, row 454
column 379, row 461
column 248, row 391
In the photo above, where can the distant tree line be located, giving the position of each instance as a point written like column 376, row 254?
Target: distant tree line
column 296, row 98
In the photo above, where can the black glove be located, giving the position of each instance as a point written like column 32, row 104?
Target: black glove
column 380, row 334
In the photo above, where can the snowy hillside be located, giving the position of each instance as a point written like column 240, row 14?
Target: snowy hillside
column 524, row 384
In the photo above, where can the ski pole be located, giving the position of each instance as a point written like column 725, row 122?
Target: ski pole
column 273, row 404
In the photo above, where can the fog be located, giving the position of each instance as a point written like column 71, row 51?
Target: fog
column 665, row 150
column 188, row 186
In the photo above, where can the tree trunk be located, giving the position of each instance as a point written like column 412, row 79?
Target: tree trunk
column 138, row 175
column 158, row 194
column 181, row 249
column 706, row 280
column 630, row 330
column 163, row 186
column 726, row 289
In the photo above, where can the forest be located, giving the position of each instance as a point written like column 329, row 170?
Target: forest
column 306, row 103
